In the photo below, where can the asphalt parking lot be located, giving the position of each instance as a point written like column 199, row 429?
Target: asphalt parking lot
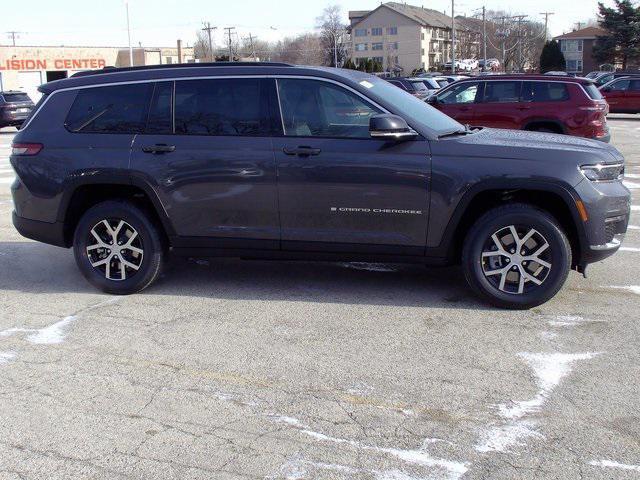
column 249, row 369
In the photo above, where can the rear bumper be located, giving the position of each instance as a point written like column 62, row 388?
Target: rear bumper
column 51, row 233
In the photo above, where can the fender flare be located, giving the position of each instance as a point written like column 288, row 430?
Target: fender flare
column 534, row 120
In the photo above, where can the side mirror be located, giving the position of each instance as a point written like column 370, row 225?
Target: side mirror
column 605, row 89
column 390, row 126
column 432, row 100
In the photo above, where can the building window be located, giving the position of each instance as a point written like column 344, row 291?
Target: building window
column 393, row 46
column 376, row 32
column 422, row 36
column 571, row 45
column 376, row 46
column 392, row 30
column 361, row 47
column 574, row 66
column 361, row 32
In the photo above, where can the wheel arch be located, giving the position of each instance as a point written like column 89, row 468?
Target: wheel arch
column 540, row 121
column 84, row 194
column 557, row 199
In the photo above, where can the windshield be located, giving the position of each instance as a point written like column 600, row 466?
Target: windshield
column 414, row 110
column 419, row 85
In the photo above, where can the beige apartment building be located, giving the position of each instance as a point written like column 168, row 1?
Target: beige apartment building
column 25, row 68
column 403, row 37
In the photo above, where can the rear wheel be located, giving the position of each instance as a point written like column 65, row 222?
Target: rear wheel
column 516, row 256
column 118, row 247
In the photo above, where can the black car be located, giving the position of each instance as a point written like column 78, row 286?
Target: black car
column 415, row 86
column 15, row 108
column 289, row 162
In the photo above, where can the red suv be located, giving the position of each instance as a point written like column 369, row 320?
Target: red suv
column 623, row 95
column 573, row 106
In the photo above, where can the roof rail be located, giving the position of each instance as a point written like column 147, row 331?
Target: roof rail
column 110, row 69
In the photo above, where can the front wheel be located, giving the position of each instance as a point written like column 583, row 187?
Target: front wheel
column 118, row 247
column 516, row 256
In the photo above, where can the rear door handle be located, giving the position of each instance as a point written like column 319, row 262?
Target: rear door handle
column 159, row 148
column 301, row 151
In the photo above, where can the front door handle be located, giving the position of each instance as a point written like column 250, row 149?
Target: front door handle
column 301, row 151
column 159, row 148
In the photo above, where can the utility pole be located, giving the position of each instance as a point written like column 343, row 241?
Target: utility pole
column 229, row 30
column 453, row 39
column 546, row 23
column 579, row 25
column 519, row 19
column 484, row 38
column 126, row 3
column 253, row 50
column 208, row 28
column 503, row 37
column 13, row 35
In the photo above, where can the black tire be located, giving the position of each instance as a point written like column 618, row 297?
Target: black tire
column 524, row 218
column 147, row 240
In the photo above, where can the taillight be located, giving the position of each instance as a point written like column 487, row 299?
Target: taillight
column 26, row 149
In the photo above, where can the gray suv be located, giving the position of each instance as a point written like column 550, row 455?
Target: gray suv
column 289, row 162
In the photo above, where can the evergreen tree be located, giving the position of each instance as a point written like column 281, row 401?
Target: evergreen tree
column 552, row 58
column 622, row 43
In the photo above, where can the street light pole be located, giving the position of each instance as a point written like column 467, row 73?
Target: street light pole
column 453, row 39
column 126, row 3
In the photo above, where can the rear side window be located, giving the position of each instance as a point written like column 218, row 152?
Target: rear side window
column 462, row 93
column 593, row 91
column 544, row 92
column 619, row 85
column 502, row 92
column 222, row 107
column 116, row 109
column 635, row 86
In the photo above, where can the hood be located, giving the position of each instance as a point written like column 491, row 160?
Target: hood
column 541, row 147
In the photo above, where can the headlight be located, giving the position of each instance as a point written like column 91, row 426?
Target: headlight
column 603, row 173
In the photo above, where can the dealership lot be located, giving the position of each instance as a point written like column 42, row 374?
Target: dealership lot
column 236, row 369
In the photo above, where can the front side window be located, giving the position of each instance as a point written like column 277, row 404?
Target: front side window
column 463, row 93
column 222, row 107
column 544, row 92
column 160, row 119
column 312, row 108
column 620, row 85
column 502, row 92
column 114, row 109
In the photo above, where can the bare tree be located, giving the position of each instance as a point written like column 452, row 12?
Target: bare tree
column 201, row 46
column 523, row 41
column 332, row 35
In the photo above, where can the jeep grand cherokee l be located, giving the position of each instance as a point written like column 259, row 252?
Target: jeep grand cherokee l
column 15, row 107
column 280, row 161
column 572, row 106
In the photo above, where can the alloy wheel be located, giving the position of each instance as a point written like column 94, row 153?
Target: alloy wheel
column 516, row 259
column 115, row 249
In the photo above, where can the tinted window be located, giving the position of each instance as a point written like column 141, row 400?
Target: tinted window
column 160, row 117
column 463, row 93
column 619, row 85
column 397, row 84
column 320, row 109
column 593, row 91
column 418, row 85
column 635, row 85
column 117, row 109
column 544, row 92
column 222, row 107
column 16, row 97
column 502, row 92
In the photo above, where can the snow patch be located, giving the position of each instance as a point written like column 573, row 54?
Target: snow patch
column 631, row 185
column 629, row 249
column 566, row 321
column 612, row 464
column 6, row 357
column 633, row 227
column 629, row 288
column 549, row 370
column 635, row 208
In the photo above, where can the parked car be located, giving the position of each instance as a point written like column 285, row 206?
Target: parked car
column 15, row 107
column 623, row 95
column 470, row 63
column 489, row 63
column 605, row 77
column 460, row 66
column 573, row 106
column 415, row 86
column 278, row 161
column 432, row 83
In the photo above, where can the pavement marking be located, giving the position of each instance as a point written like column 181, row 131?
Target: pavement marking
column 549, row 369
column 631, row 185
column 6, row 180
column 633, row 227
column 635, row 208
column 612, row 464
column 629, row 249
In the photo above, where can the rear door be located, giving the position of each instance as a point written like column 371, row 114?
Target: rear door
column 461, row 101
column 542, row 100
column 340, row 189
column 211, row 161
column 616, row 95
column 500, row 106
column 634, row 95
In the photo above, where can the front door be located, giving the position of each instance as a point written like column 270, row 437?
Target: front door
column 616, row 95
column 340, row 189
column 460, row 102
column 500, row 106
column 212, row 161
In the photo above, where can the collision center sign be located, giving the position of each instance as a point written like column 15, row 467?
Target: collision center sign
column 53, row 64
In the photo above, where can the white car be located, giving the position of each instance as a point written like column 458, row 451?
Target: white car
column 470, row 63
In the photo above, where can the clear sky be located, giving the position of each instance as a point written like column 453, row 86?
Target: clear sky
column 161, row 22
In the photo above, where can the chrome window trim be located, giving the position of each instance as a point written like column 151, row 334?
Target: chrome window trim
column 203, row 77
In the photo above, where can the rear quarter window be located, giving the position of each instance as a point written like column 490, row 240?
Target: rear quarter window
column 114, row 109
column 593, row 92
